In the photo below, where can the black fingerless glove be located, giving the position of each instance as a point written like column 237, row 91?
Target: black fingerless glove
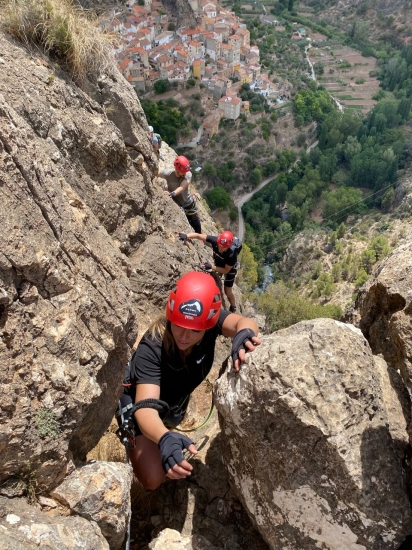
column 183, row 237
column 207, row 266
column 171, row 445
column 172, row 194
column 239, row 341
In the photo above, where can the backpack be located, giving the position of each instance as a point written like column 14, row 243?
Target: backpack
column 159, row 139
column 236, row 246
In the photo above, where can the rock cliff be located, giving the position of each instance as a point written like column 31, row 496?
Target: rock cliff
column 313, row 435
column 383, row 310
column 88, row 257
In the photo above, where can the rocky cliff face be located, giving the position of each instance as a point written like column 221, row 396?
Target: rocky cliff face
column 312, row 435
column 88, row 249
column 182, row 11
column 383, row 311
column 88, row 257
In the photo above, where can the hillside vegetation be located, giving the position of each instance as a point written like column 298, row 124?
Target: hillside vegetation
column 63, row 30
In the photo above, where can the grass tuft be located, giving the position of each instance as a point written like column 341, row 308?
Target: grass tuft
column 63, row 30
column 47, row 424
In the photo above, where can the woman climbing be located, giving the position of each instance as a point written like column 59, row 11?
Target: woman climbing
column 174, row 356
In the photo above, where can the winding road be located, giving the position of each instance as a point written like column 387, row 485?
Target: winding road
column 244, row 198
column 241, row 201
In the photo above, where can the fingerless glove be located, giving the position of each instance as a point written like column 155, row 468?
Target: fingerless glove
column 239, row 341
column 171, row 445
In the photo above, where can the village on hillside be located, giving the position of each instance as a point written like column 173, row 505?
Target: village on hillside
column 216, row 52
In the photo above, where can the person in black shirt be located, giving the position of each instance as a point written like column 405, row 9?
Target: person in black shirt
column 172, row 359
column 225, row 257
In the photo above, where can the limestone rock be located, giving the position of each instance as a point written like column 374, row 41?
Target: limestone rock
column 67, row 325
column 25, row 527
column 73, row 205
column 100, row 492
column 203, row 505
column 169, row 539
column 383, row 310
column 308, row 441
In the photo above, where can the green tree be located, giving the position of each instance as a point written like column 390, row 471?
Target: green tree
column 209, row 170
column 161, row 86
column 380, row 246
column 224, row 173
column 341, row 202
column 361, row 278
column 341, row 231
column 255, row 177
column 218, row 198
column 387, row 199
column 367, row 260
column 283, row 306
column 248, row 271
column 337, row 273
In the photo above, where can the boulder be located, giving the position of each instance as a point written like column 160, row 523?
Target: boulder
column 383, row 310
column 100, row 492
column 308, row 437
column 25, row 527
column 169, row 539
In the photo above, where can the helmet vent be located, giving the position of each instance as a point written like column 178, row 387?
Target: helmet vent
column 216, row 298
column 172, row 305
column 211, row 313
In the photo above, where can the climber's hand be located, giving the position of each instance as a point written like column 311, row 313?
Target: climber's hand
column 244, row 341
column 206, row 266
column 171, row 446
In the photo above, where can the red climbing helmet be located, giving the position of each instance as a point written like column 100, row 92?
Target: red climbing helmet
column 195, row 302
column 182, row 164
column 225, row 239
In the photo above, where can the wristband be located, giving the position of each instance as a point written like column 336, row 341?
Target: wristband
column 172, row 194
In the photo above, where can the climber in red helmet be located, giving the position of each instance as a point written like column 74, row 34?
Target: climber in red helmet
column 174, row 356
column 226, row 248
column 178, row 179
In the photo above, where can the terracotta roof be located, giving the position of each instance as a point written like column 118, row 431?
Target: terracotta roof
column 190, row 32
column 227, row 99
column 124, row 64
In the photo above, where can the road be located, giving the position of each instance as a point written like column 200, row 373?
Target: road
column 194, row 141
column 244, row 198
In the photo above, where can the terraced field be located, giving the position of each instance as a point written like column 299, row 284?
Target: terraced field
column 346, row 76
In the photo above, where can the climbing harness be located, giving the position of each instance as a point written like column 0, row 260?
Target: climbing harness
column 126, row 431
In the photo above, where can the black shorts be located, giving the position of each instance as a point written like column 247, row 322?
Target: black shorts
column 230, row 278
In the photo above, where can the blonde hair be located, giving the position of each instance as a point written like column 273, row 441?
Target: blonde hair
column 160, row 330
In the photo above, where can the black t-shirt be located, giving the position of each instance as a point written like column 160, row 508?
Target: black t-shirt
column 176, row 376
column 222, row 259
